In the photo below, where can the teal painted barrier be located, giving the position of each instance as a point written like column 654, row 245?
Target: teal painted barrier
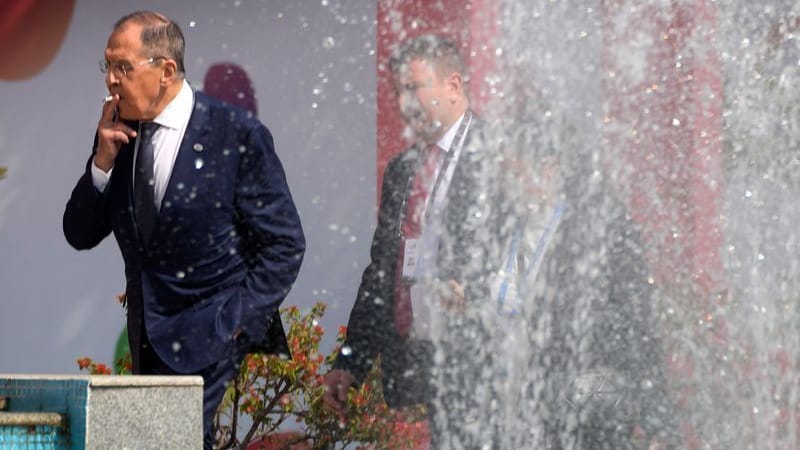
column 64, row 396
column 16, row 434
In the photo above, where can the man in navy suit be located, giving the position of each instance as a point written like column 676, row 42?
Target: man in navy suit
column 198, row 202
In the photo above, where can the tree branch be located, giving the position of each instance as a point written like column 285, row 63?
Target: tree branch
column 263, row 414
column 234, row 415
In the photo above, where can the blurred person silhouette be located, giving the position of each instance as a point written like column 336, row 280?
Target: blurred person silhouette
column 199, row 205
column 576, row 355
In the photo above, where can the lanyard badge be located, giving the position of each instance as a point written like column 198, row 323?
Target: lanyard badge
column 411, row 260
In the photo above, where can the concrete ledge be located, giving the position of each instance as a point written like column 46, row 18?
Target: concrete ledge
column 144, row 381
column 112, row 411
column 32, row 419
column 113, row 380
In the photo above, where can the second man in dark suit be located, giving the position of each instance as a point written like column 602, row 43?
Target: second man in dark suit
column 430, row 249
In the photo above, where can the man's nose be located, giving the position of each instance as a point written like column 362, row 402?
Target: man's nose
column 406, row 101
column 111, row 78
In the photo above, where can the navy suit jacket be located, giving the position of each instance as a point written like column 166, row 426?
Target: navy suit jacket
column 226, row 247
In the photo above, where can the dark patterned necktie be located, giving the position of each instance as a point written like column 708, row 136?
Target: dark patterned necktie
column 144, row 182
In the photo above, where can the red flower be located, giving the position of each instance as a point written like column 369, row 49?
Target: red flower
column 252, row 364
column 359, row 400
column 84, row 363
column 101, row 369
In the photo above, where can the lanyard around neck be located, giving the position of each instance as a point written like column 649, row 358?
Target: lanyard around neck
column 455, row 145
column 523, row 275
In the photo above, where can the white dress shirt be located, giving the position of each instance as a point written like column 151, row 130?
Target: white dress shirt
column 167, row 141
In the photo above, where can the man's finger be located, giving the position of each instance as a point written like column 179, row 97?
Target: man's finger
column 120, row 136
column 108, row 109
column 117, row 132
column 119, row 126
column 332, row 402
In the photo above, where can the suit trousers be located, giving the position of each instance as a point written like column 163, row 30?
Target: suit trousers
column 215, row 379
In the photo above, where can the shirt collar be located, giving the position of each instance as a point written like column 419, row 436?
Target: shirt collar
column 446, row 141
column 178, row 111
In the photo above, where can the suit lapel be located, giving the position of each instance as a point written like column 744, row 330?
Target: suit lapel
column 195, row 141
column 462, row 195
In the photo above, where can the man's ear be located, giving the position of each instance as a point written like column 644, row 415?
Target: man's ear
column 169, row 72
column 455, row 83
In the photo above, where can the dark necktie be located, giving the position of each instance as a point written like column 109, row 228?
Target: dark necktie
column 143, row 183
column 412, row 229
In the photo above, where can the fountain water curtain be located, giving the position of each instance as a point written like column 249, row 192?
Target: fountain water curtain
column 687, row 114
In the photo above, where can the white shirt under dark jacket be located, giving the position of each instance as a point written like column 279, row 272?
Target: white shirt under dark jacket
column 167, row 141
column 422, row 293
